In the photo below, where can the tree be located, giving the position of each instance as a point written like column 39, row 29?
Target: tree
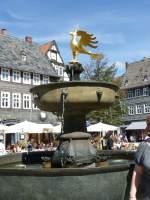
column 101, row 71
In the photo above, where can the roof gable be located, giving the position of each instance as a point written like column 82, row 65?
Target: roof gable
column 48, row 47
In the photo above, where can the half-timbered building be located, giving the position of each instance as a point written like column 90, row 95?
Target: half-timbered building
column 23, row 65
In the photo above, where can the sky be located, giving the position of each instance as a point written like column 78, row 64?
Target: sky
column 121, row 27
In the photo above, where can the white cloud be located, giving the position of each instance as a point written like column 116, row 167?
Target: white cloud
column 17, row 16
column 14, row 15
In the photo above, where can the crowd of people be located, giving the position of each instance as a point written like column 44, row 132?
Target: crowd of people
column 112, row 140
column 31, row 145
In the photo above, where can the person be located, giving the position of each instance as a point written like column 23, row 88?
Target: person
column 117, row 140
column 140, row 183
column 29, row 146
column 2, row 147
column 110, row 142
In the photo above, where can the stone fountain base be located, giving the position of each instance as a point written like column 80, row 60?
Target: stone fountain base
column 75, row 149
column 71, row 184
column 36, row 183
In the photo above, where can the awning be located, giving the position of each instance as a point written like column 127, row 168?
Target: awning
column 137, row 126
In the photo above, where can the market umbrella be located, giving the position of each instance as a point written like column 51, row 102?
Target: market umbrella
column 3, row 128
column 46, row 127
column 101, row 127
column 25, row 127
column 56, row 129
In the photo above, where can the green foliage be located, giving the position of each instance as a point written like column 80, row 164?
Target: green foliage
column 100, row 71
column 22, row 144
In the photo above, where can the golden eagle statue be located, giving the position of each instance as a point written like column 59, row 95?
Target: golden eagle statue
column 81, row 39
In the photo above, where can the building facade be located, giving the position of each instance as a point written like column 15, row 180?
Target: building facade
column 136, row 83
column 23, row 65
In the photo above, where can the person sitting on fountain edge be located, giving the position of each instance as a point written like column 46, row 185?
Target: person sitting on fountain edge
column 140, row 183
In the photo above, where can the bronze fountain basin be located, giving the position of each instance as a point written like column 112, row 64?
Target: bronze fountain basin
column 81, row 96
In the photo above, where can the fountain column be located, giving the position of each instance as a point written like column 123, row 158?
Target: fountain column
column 74, row 123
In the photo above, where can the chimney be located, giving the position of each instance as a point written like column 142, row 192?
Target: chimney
column 126, row 66
column 3, row 31
column 28, row 39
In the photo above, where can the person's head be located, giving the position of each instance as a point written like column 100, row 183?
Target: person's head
column 108, row 134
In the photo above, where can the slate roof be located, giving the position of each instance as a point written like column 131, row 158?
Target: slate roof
column 137, row 74
column 11, row 49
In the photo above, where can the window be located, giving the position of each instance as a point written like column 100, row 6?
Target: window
column 138, row 109
column 53, row 55
column 145, row 91
column 61, row 71
column 36, row 79
column 5, row 74
column 24, row 57
column 131, row 110
column 130, row 94
column 35, row 107
column 137, row 92
column 45, row 79
column 16, row 100
column 16, row 76
column 57, row 70
column 26, row 78
column 26, row 101
column 146, row 108
column 5, row 100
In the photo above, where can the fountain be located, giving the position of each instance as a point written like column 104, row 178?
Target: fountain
column 73, row 100
column 74, row 174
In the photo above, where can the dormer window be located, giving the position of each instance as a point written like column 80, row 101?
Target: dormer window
column 23, row 56
column 145, row 78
